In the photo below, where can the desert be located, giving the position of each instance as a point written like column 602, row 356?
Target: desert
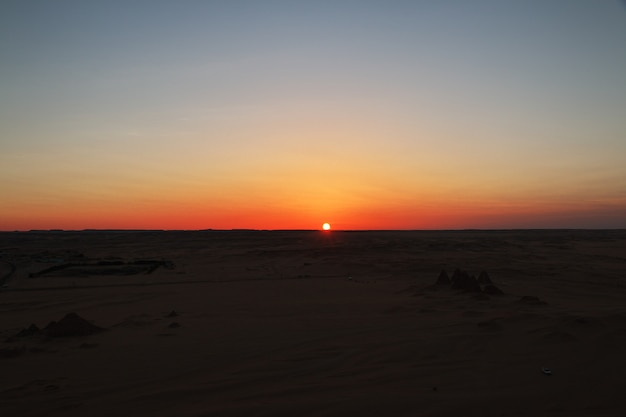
column 313, row 323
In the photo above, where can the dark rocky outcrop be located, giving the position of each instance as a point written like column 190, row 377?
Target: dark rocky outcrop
column 31, row 330
column 484, row 278
column 461, row 280
column 465, row 282
column 492, row 290
column 70, row 325
column 443, row 279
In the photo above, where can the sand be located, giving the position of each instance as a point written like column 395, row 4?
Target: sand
column 307, row 323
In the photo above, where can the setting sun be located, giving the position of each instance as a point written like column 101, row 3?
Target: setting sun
column 326, row 226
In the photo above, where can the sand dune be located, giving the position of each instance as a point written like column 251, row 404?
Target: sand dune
column 314, row 324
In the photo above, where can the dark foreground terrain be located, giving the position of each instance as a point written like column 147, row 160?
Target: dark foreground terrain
column 308, row 323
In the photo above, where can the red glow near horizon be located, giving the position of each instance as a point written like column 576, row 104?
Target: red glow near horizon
column 188, row 216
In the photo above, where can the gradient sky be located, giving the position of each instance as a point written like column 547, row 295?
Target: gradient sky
column 287, row 114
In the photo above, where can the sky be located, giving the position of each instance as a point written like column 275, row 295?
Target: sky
column 396, row 114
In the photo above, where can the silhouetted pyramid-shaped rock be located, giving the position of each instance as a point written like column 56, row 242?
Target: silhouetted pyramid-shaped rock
column 31, row 330
column 457, row 274
column 461, row 280
column 484, row 278
column 70, row 325
column 443, row 279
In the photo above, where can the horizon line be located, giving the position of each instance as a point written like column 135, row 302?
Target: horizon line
column 315, row 230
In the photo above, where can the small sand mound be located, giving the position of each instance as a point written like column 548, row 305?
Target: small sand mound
column 12, row 352
column 531, row 300
column 557, row 336
column 490, row 325
column 70, row 325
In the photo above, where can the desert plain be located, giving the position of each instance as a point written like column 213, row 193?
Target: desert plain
column 312, row 323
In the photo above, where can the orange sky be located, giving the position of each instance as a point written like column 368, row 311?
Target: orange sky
column 389, row 115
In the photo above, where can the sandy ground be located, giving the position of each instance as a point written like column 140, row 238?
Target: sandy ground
column 314, row 324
